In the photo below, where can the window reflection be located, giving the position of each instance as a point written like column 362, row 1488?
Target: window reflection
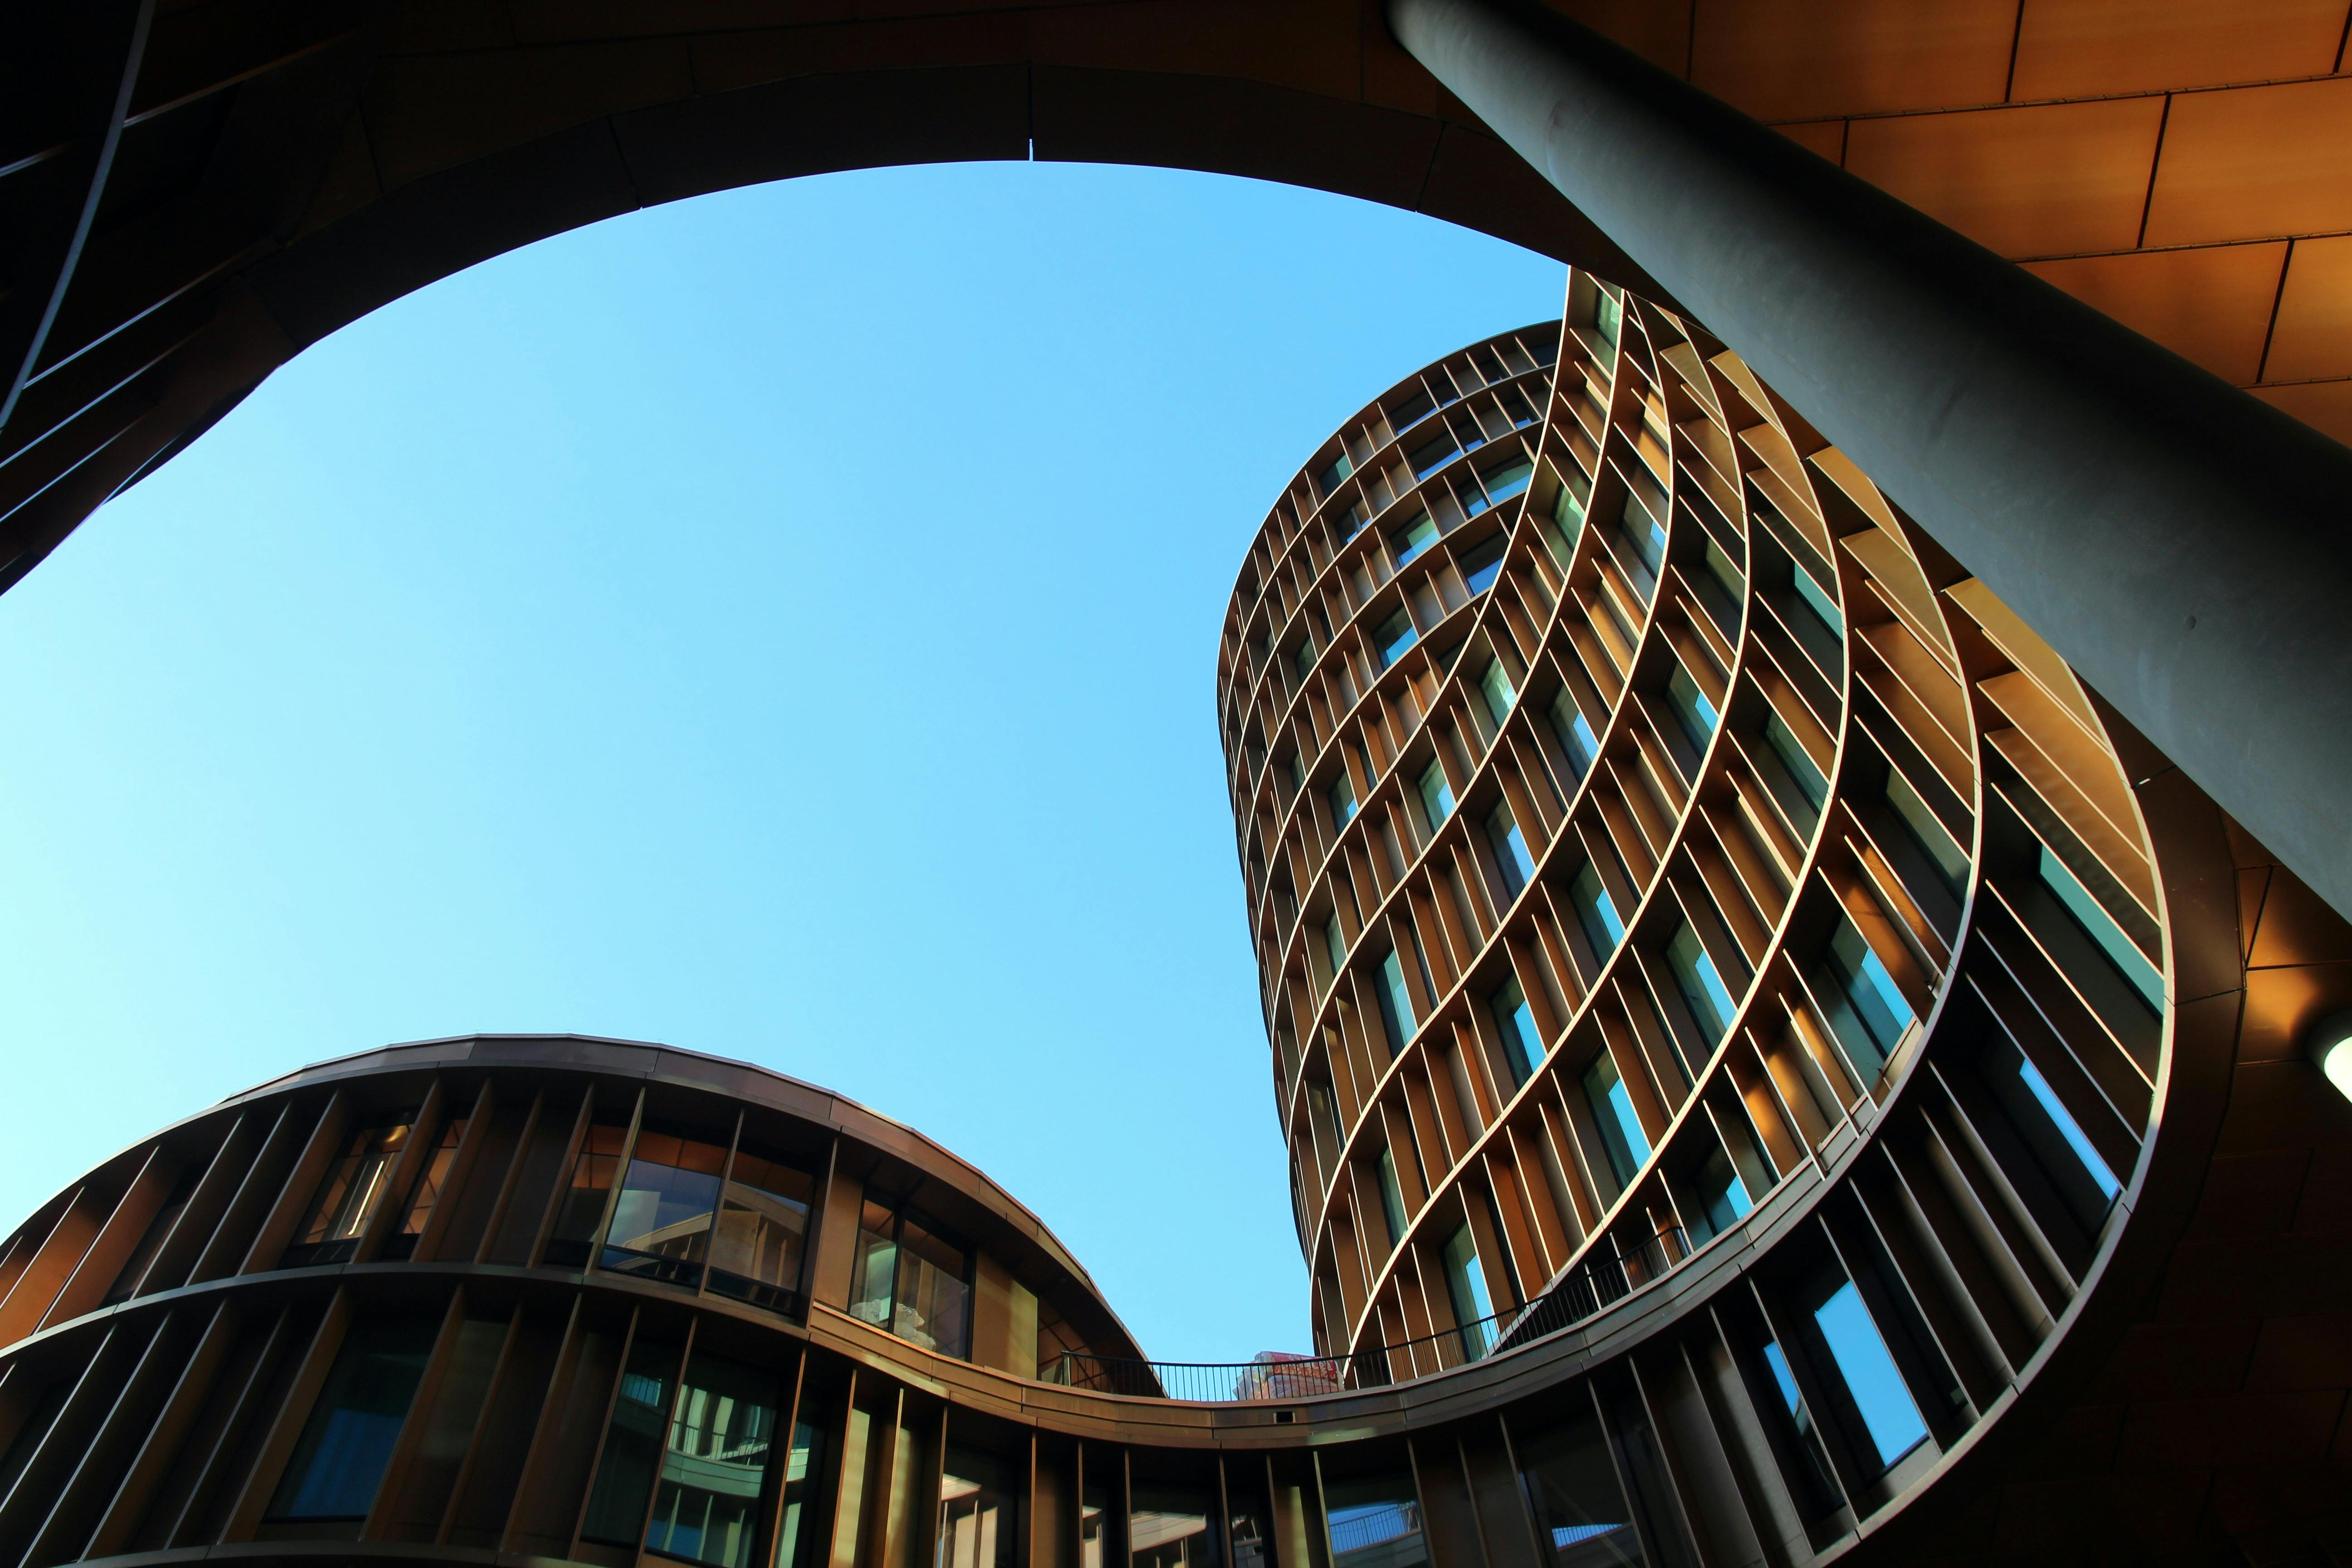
column 428, row 1191
column 707, row 1509
column 762, row 1234
column 593, row 1171
column 347, row 1442
column 1169, row 1528
column 355, row 1187
column 1375, row 1524
column 911, row 1280
column 661, row 1220
column 979, row 1516
column 1580, row 1511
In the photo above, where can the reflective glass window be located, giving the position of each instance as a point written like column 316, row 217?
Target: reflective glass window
column 1436, row 794
column 1495, row 686
column 1582, row 1517
column 1465, row 1285
column 1694, row 711
column 1515, row 1021
column 980, row 1513
column 796, row 1537
column 1481, row 567
column 1334, row 942
column 721, row 1428
column 1609, row 315
column 1512, row 858
column 1375, row 1522
column 1434, row 454
column 1393, row 636
column 1416, row 407
column 1596, row 911
column 1338, row 468
column 1391, row 1198
column 1813, row 790
column 2101, row 928
column 1722, row 1196
column 1621, row 1138
column 1414, row 538
column 355, row 1187
column 661, row 1218
column 1700, row 982
column 1819, row 601
column 1867, row 1011
column 1860, row 1359
column 347, row 1440
column 1343, row 800
column 911, row 1279
column 763, row 1216
column 428, row 1188
column 1503, row 480
column 1302, row 657
column 1643, row 537
column 584, row 1196
column 1576, row 737
column 634, row 1442
column 1396, row 1001
column 1170, row 1527
column 1928, row 832
column 1818, row 1475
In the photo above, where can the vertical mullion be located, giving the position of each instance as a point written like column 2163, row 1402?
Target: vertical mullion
column 513, row 1177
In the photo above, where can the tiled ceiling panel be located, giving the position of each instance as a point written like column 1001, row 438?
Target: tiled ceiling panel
column 1806, row 60
column 2083, row 49
column 2212, row 304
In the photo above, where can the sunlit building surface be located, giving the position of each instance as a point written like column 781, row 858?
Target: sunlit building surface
column 1774, row 1069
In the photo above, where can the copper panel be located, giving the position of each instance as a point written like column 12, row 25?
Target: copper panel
column 2038, row 181
column 1659, row 33
column 2324, row 405
column 2083, row 48
column 2226, row 175
column 1808, row 59
column 2314, row 335
column 2211, row 305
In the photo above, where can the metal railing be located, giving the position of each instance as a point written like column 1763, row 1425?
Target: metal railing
column 1276, row 1375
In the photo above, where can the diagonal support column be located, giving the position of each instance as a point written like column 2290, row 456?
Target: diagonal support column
column 2185, row 546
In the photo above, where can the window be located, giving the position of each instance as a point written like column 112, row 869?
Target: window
column 1375, row 1522
column 635, row 1444
column 1567, row 511
column 1819, row 1477
column 1692, row 708
column 1167, row 1528
column 1503, row 480
column 1722, row 586
column 1928, row 832
column 1481, row 567
column 1391, row 1198
column 1867, row 1012
column 429, row 1192
column 1722, row 1196
column 1802, row 788
column 1334, row 942
column 1414, row 538
column 355, row 1187
column 347, row 1441
column 1596, row 911
column 1466, row 1283
column 1511, row 857
column 1396, row 1001
column 1516, row 1022
column 1329, row 479
column 1434, row 453
column 1500, row 694
column 911, row 1279
column 661, row 1221
column 1582, row 1517
column 1820, row 602
column 1436, row 794
column 2082, row 1178
column 1607, row 315
column 980, row 1514
column 1644, row 540
column 1343, row 800
column 1621, row 1138
column 721, row 1428
column 804, row 1467
column 584, row 1200
column 2100, row 926
column 1293, row 773
column 1701, row 984
column 1850, row 1350
column 1576, row 737
column 1302, row 657
column 755, row 1253
column 1394, row 637
column 1416, row 407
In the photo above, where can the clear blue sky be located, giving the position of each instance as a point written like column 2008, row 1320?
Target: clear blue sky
column 782, row 625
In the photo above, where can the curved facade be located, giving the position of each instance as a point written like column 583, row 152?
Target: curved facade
column 1774, row 1070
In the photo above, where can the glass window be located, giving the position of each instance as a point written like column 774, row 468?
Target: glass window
column 1607, row 315
column 1302, row 657
column 1692, row 710
column 1481, row 567
column 2066, row 1155
column 1645, row 539
column 1335, row 941
column 1722, row 586
column 1722, row 1195
column 1391, row 1198
column 1343, row 800
column 1860, row 1360
column 1414, row 538
column 1466, row 1283
column 1434, row 453
column 707, row 1509
column 1567, row 510
column 1501, row 696
column 1396, row 1001
column 1393, row 636
column 661, row 1221
column 583, row 1199
column 1928, row 833
column 1867, row 1011
column 1511, row 856
column 1821, row 602
column 428, row 1189
column 1515, row 1021
column 911, row 1279
column 1503, row 480
column 1576, row 737
column 1338, row 468
column 1436, row 794
column 1375, row 1522
column 347, row 1440
column 635, row 1444
column 1596, row 911
column 1417, row 406
column 1795, row 778
column 1621, row 1138
column 755, row 1253
column 980, row 1515
column 1701, row 984
column 1168, row 1527
column 355, row 1187
column 796, row 1537
column 1818, row 1474
column 2101, row 928
column 1572, row 1483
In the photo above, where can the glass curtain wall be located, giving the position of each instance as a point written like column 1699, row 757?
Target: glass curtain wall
column 721, row 1428
column 756, row 1251
column 339, row 1461
column 661, row 1220
column 355, row 1187
column 911, row 1279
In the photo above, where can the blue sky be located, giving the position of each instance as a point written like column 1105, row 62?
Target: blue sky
column 783, row 625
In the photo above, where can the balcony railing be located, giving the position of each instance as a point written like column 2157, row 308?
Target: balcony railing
column 1272, row 1377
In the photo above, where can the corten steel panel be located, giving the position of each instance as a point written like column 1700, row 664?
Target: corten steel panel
column 2085, row 49
column 1823, row 136
column 1807, row 59
column 2313, row 339
column 2042, row 180
column 2325, row 407
column 2251, row 163
column 2212, row 304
